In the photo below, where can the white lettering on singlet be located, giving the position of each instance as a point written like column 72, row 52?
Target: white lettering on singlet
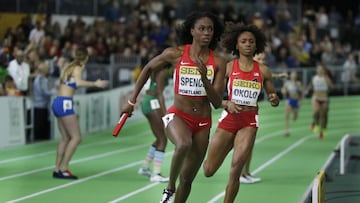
column 245, row 92
column 190, row 83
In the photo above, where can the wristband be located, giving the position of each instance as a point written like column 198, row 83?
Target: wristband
column 131, row 104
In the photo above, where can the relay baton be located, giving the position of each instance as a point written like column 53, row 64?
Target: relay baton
column 120, row 124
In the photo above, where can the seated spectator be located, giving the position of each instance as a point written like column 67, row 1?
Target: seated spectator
column 10, row 87
column 2, row 90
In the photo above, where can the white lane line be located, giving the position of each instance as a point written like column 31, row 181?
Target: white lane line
column 26, row 157
column 213, row 200
column 148, row 187
column 258, row 140
column 76, row 161
column 75, row 182
column 133, row 164
column 263, row 120
column 54, row 151
column 134, row 193
column 268, row 163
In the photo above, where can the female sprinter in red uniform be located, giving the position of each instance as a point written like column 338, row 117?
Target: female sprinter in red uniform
column 198, row 83
column 239, row 121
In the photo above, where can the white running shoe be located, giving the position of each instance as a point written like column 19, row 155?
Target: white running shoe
column 248, row 179
column 158, row 178
column 244, row 179
column 167, row 196
column 252, row 178
column 144, row 171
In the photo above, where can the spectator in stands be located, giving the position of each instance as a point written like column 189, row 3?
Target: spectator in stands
column 36, row 34
column 261, row 58
column 10, row 87
column 349, row 70
column 322, row 22
column 63, row 109
column 19, row 70
column 2, row 90
column 42, row 96
column 111, row 11
column 187, row 123
column 169, row 14
column 32, row 58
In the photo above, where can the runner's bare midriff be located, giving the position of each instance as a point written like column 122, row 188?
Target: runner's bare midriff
column 198, row 106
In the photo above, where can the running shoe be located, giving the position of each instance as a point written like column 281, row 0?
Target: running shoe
column 325, row 132
column 167, row 196
column 158, row 178
column 248, row 179
column 252, row 178
column 316, row 128
column 144, row 171
column 64, row 175
column 244, row 179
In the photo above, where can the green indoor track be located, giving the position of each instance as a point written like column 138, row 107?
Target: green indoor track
column 107, row 166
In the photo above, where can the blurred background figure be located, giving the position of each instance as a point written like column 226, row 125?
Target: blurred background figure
column 153, row 107
column 350, row 70
column 320, row 86
column 19, row 70
column 10, row 87
column 293, row 91
column 41, row 101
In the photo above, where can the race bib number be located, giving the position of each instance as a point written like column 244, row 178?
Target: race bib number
column 190, row 80
column 67, row 105
column 154, row 104
column 245, row 92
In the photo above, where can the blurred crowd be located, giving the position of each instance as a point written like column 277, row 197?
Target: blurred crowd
column 321, row 35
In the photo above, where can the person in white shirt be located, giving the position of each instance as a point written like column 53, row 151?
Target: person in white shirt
column 36, row 34
column 349, row 70
column 19, row 70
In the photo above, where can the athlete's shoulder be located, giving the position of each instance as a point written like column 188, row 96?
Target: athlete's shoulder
column 174, row 51
column 261, row 65
column 265, row 71
column 230, row 62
